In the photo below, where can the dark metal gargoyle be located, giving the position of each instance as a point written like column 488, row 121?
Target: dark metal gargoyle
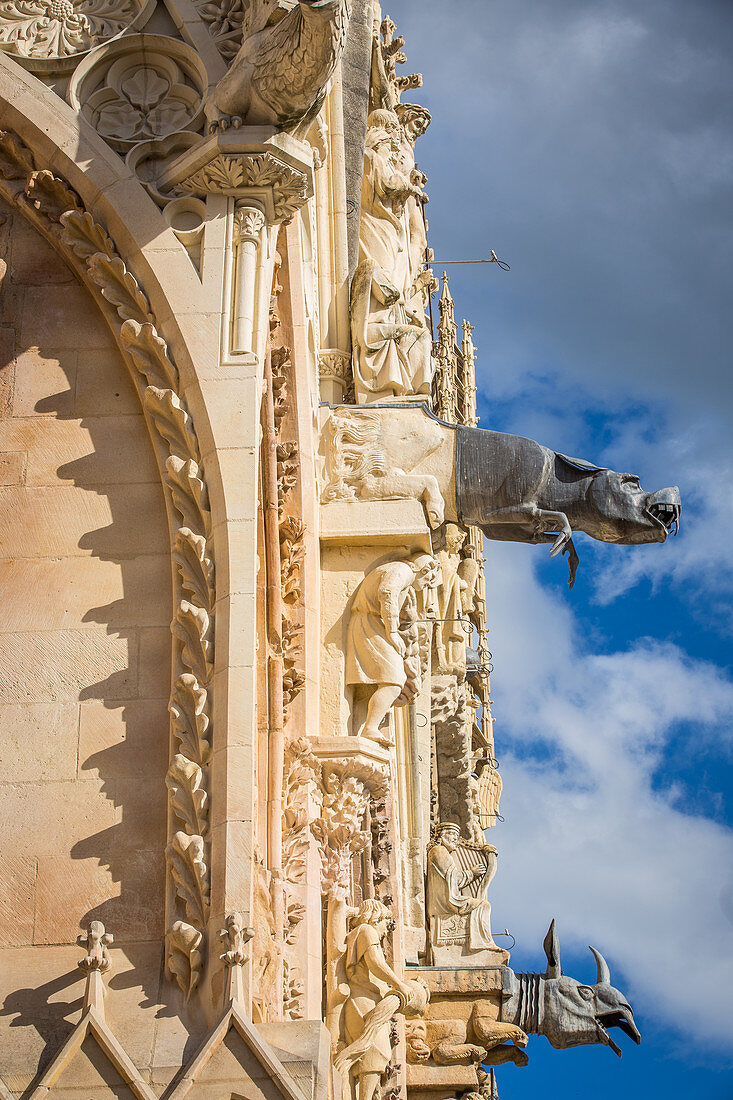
column 517, row 490
column 566, row 1011
column 485, row 1015
column 514, row 489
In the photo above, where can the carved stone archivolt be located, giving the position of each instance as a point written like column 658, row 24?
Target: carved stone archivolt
column 52, row 35
column 58, row 212
column 140, row 88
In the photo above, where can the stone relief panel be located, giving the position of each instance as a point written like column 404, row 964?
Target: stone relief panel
column 52, row 35
column 140, row 88
column 369, row 457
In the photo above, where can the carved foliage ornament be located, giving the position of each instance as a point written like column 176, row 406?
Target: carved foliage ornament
column 223, row 19
column 56, row 210
column 228, row 174
column 51, row 34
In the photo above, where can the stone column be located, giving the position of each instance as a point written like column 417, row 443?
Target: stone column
column 249, row 222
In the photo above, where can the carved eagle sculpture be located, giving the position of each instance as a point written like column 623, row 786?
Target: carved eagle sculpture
column 281, row 72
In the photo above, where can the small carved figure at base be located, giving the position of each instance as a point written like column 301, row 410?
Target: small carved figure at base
column 478, row 1040
column 382, row 649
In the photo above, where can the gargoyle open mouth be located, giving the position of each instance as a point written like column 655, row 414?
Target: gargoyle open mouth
column 617, row 1019
column 668, row 515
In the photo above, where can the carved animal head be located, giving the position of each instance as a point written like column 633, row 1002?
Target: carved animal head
column 575, row 1014
column 620, row 510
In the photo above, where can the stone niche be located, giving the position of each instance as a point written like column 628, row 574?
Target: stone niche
column 86, row 653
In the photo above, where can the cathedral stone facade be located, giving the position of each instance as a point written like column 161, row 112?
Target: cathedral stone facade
column 248, row 768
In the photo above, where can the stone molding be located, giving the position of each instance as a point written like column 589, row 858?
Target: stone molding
column 268, row 169
column 58, row 212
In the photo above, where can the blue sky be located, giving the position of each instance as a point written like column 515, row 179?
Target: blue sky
column 590, row 145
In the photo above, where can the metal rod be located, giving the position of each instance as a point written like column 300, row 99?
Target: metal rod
column 494, row 260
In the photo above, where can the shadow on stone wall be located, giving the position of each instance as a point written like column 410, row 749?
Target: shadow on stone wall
column 92, row 820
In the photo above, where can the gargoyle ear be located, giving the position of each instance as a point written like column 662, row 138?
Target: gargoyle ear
column 580, row 464
column 552, row 950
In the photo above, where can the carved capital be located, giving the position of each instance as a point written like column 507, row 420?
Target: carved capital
column 335, row 366
column 349, row 784
column 248, row 224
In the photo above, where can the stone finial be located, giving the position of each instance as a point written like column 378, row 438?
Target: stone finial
column 96, row 941
column 95, row 963
column 236, row 936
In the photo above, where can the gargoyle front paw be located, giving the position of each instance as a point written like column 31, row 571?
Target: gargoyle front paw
column 561, row 541
column 518, row 1037
column 520, row 1057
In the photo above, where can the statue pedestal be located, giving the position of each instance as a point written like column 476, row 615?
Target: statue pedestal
column 449, row 944
column 460, row 997
column 399, row 523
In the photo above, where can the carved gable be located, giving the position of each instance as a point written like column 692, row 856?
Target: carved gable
column 235, row 1061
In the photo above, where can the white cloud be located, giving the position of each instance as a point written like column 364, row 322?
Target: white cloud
column 589, row 837
column 696, row 455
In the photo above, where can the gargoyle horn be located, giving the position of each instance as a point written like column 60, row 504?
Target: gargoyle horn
column 604, row 973
column 552, row 950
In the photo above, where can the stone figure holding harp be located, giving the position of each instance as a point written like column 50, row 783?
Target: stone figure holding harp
column 459, row 875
